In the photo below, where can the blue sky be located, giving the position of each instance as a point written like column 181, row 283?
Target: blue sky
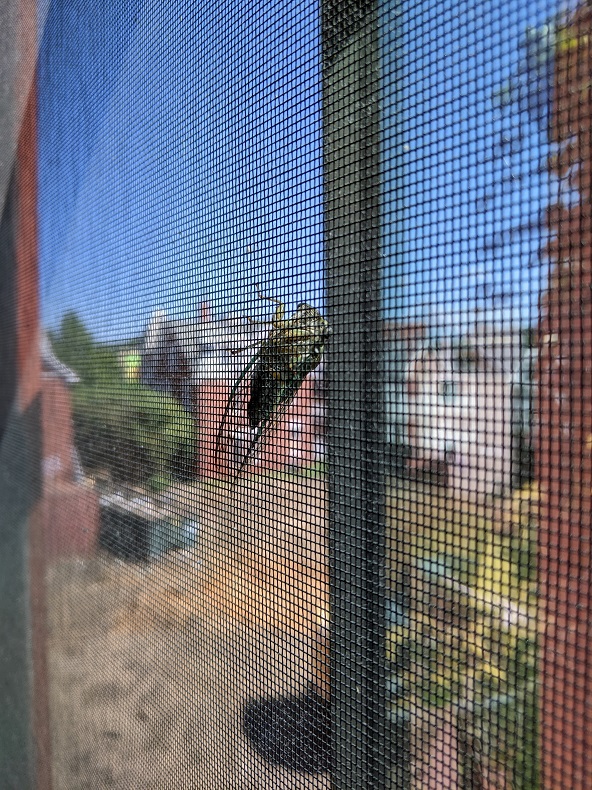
column 193, row 171
column 180, row 160
column 457, row 248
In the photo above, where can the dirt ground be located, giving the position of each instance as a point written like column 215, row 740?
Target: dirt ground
column 150, row 665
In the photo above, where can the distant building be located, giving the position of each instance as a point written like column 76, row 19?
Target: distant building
column 402, row 343
column 468, row 404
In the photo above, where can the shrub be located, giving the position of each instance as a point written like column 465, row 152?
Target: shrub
column 135, row 433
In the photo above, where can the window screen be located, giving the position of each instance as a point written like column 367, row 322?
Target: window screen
column 295, row 424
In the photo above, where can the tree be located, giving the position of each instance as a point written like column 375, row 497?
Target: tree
column 75, row 347
column 137, row 434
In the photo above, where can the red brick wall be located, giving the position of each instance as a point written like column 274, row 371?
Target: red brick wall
column 28, row 362
column 58, row 430
column 282, row 447
column 564, row 445
column 70, row 517
column 27, row 307
column 70, row 510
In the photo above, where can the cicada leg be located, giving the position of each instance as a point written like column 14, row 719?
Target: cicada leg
column 278, row 320
column 280, row 310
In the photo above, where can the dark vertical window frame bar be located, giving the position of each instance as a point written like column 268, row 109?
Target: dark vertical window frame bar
column 355, row 394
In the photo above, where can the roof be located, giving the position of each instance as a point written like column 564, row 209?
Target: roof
column 204, row 344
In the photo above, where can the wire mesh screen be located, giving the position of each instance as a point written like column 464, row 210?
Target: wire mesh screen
column 296, row 425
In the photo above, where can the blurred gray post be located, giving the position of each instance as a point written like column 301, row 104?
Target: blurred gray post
column 356, row 429
column 19, row 487
column 25, row 751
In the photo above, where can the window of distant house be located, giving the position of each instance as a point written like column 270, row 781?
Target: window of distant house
column 447, row 390
column 295, row 427
column 466, row 359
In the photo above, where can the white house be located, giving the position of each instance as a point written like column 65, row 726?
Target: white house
column 461, row 404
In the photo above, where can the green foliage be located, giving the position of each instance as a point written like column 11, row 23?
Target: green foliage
column 136, row 434
column 75, row 347
column 469, row 639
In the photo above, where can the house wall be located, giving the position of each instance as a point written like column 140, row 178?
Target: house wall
column 463, row 419
column 564, row 443
column 70, row 510
column 294, row 442
column 70, row 517
column 58, row 430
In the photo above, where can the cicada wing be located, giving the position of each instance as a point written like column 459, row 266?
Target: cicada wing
column 267, row 393
column 231, row 400
column 258, row 396
column 250, row 451
column 284, row 395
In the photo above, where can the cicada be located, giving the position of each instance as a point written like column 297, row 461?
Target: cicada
column 292, row 349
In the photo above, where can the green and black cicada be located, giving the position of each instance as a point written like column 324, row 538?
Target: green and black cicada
column 292, row 349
